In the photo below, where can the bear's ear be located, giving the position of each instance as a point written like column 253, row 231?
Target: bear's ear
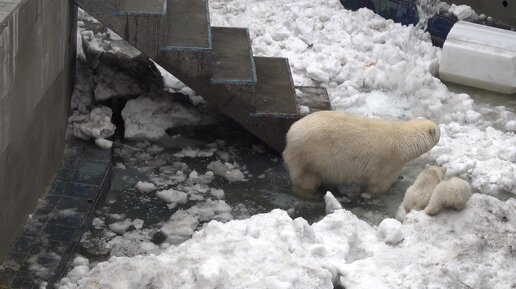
column 432, row 132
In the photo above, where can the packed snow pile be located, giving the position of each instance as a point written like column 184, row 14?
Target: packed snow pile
column 151, row 114
column 473, row 248
column 96, row 125
column 462, row 12
column 107, row 68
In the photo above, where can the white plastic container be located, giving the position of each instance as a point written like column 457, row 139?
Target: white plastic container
column 480, row 56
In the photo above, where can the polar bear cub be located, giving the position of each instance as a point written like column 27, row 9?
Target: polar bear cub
column 418, row 194
column 452, row 193
column 332, row 147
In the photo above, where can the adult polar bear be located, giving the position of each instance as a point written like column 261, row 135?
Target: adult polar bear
column 331, row 147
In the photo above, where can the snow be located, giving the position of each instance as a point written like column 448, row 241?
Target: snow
column 217, row 193
column 145, row 187
column 511, row 125
column 229, row 171
column 97, row 223
column 121, row 227
column 97, row 125
column 180, row 227
column 462, row 12
column 148, row 116
column 389, row 231
column 331, row 203
column 196, row 153
column 103, row 143
column 452, row 250
column 138, row 224
column 68, row 212
column 173, row 197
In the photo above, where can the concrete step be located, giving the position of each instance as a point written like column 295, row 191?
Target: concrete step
column 232, row 59
column 275, row 94
column 141, row 8
column 315, row 98
column 187, row 25
column 139, row 24
column 102, row 10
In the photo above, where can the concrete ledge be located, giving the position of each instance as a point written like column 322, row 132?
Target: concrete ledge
column 50, row 237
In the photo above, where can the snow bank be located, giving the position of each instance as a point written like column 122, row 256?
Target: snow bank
column 96, row 125
column 474, row 247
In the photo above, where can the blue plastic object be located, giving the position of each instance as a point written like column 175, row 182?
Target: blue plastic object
column 405, row 12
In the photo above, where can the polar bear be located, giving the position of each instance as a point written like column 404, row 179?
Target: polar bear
column 331, row 147
column 452, row 193
column 418, row 194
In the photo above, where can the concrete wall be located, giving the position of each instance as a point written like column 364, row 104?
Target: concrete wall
column 37, row 65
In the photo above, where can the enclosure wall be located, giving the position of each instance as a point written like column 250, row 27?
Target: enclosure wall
column 37, row 64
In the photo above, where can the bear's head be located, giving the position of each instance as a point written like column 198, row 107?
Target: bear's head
column 429, row 129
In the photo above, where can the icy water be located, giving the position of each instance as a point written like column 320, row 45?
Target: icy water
column 267, row 188
column 485, row 97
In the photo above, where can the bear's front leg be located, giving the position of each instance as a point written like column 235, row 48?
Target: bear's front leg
column 381, row 182
column 306, row 186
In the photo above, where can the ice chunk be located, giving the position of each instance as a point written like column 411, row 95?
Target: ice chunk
column 103, row 143
column 331, row 203
column 173, row 196
column 227, row 170
column 390, row 231
column 145, row 187
column 121, row 227
column 148, row 116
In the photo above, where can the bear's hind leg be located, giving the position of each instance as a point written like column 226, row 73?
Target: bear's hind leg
column 306, row 185
column 433, row 209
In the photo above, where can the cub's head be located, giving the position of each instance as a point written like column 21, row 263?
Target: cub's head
column 440, row 171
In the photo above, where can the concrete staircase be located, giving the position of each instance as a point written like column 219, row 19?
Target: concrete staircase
column 216, row 62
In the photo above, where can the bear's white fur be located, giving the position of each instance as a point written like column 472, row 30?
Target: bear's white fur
column 452, row 193
column 334, row 147
column 418, row 194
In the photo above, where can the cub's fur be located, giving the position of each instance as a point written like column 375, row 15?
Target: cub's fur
column 418, row 194
column 452, row 193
